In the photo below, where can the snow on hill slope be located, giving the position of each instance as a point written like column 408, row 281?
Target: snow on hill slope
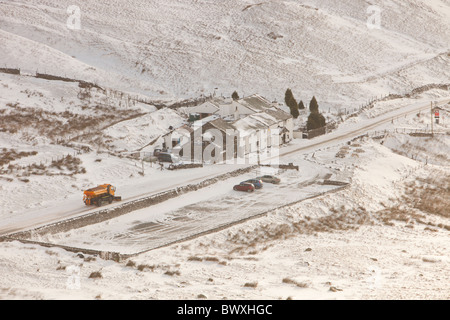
column 185, row 48
column 139, row 132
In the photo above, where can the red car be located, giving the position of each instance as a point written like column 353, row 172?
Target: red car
column 244, row 186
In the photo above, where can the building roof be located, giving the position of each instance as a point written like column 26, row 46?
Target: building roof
column 278, row 114
column 216, row 123
column 265, row 115
column 248, row 125
column 265, row 118
column 202, row 122
column 256, row 103
column 205, row 107
column 221, row 125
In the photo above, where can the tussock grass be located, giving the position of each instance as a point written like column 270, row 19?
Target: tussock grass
column 142, row 267
column 95, row 275
column 8, row 155
column 212, row 259
column 51, row 253
column 339, row 219
column 208, row 259
column 89, row 259
column 172, row 273
column 86, row 128
column 66, row 166
column 430, row 195
column 131, row 264
column 195, row 258
column 251, row 284
column 296, row 283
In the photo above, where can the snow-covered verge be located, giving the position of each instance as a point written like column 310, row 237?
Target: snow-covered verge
column 372, row 241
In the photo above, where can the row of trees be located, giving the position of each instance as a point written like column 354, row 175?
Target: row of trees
column 315, row 118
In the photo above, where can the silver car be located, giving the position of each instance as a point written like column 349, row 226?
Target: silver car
column 269, row 179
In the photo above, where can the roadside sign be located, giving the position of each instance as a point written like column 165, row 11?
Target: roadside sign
column 436, row 115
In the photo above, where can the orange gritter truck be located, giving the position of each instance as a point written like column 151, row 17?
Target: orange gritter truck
column 100, row 195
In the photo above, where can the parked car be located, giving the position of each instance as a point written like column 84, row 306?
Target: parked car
column 256, row 182
column 269, row 179
column 244, row 186
column 168, row 157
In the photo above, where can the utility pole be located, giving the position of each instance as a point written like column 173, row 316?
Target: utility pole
column 431, row 111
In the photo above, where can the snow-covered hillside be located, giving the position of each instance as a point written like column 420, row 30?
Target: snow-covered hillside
column 186, row 48
column 385, row 236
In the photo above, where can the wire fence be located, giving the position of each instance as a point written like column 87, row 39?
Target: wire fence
column 408, row 131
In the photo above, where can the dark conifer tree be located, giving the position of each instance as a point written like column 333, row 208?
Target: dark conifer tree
column 313, row 105
column 315, row 120
column 288, row 96
column 294, row 111
column 301, row 106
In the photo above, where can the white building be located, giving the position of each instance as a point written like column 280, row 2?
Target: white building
column 264, row 129
column 256, row 122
